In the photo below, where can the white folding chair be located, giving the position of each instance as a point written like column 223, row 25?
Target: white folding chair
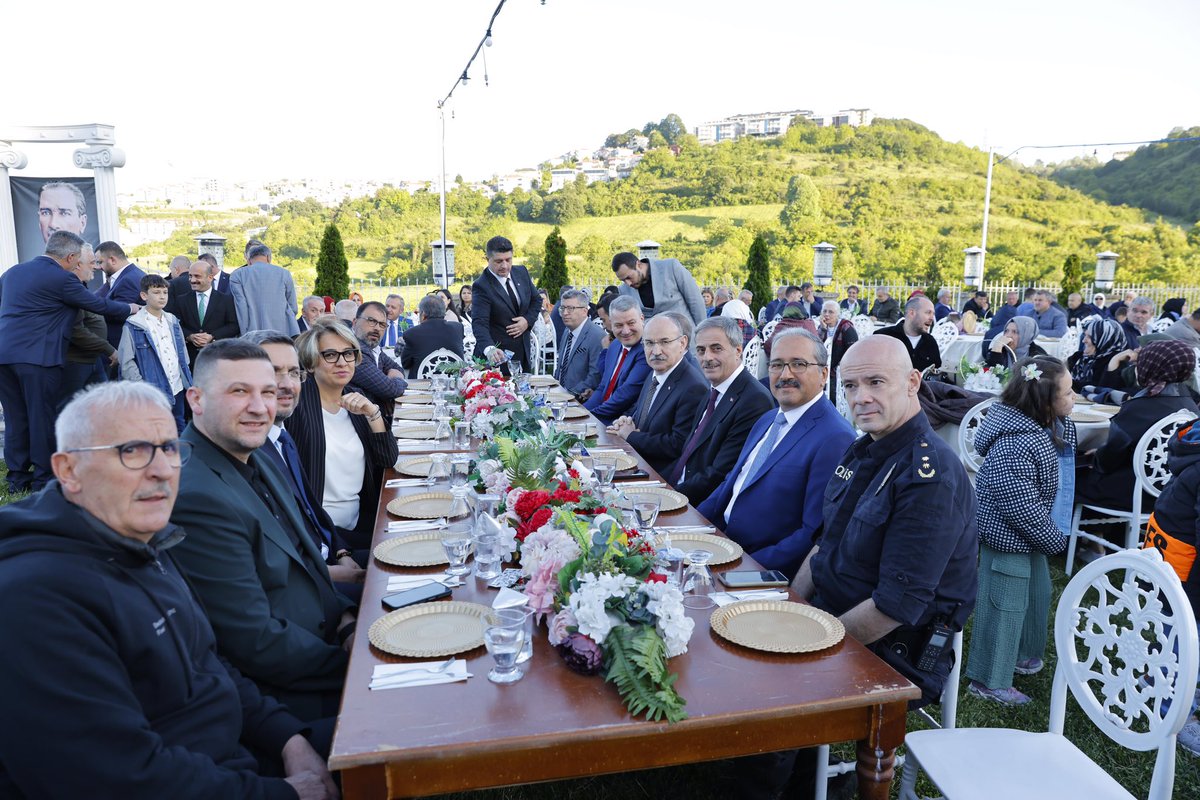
column 948, row 717
column 1127, row 652
column 468, row 341
column 547, row 360
column 768, row 329
column 863, row 325
column 944, row 333
column 1150, row 471
column 1161, row 325
column 1069, row 342
column 431, row 362
column 967, row 429
column 751, row 355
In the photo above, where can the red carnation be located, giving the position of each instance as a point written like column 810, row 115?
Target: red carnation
column 539, row 518
column 655, row 577
column 531, row 502
column 565, row 495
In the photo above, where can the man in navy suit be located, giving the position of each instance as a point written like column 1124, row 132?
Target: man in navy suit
column 504, row 305
column 205, row 315
column 771, row 501
column 623, row 369
column 38, row 305
column 662, row 418
column 580, row 345
column 733, row 404
column 122, row 284
column 434, row 333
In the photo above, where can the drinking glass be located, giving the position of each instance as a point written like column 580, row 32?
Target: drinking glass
column 462, row 435
column 646, row 507
column 575, row 452
column 439, row 466
column 541, row 396
column 487, row 555
column 504, row 643
column 460, row 468
column 513, row 616
column 606, row 469
column 456, row 541
column 698, row 581
column 559, row 409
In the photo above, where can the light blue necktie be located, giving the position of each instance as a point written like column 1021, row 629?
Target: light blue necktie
column 768, row 445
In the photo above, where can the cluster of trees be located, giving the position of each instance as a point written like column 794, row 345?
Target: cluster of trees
column 899, row 203
column 667, row 131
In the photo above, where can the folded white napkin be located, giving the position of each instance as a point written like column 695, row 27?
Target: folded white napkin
column 414, row 525
column 640, row 484
column 509, row 598
column 398, row 583
column 396, row 483
column 725, row 598
column 402, row 676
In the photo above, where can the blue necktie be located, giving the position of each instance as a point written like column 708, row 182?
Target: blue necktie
column 768, row 445
column 290, row 461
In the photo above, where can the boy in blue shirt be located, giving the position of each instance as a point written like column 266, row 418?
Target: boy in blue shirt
column 152, row 348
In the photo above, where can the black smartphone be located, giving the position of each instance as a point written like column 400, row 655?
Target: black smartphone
column 635, row 473
column 421, row 594
column 741, row 579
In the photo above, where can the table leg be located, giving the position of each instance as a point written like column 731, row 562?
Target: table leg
column 877, row 753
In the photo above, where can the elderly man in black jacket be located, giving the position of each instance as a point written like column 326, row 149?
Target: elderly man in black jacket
column 110, row 665
column 434, row 333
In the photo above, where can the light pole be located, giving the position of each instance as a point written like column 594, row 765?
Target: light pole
column 442, row 114
column 973, row 267
column 1106, row 270
column 823, row 264
column 987, row 205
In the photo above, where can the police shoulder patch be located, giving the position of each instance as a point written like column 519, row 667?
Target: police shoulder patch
column 925, row 462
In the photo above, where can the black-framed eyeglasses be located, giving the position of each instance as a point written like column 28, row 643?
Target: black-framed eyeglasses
column 349, row 356
column 563, row 308
column 796, row 365
column 296, row 374
column 650, row 344
column 138, row 455
column 378, row 323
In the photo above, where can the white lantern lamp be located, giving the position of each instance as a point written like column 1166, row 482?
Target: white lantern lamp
column 1106, row 270
column 973, row 267
column 823, row 264
column 443, row 262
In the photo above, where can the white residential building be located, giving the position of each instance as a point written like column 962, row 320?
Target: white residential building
column 769, row 124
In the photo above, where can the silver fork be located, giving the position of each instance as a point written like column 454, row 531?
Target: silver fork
column 408, row 674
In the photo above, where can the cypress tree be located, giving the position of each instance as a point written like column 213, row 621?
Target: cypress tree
column 554, row 272
column 1072, row 280
column 759, row 279
column 333, row 270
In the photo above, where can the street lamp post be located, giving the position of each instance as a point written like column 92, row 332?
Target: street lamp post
column 823, row 264
column 1106, row 270
column 443, row 262
column 973, row 268
column 648, row 249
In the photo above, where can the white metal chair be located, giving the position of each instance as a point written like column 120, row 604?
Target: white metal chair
column 752, row 354
column 863, row 325
column 948, row 717
column 944, row 333
column 1127, row 652
column 1150, row 470
column 1069, row 342
column 1161, row 325
column 468, row 341
column 967, row 429
column 431, row 362
column 768, row 329
column 545, row 359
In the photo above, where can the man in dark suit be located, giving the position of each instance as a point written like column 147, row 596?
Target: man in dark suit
column 662, row 418
column 623, row 369
column 248, row 553
column 122, row 284
column 377, row 375
column 913, row 333
column 434, row 333
column 579, row 347
column 733, row 404
column 504, row 306
column 311, row 308
column 771, row 502
column 853, row 302
column 39, row 300
column 205, row 315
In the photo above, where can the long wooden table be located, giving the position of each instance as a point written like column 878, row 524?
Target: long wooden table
column 555, row 724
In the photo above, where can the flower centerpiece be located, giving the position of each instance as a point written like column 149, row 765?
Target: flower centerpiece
column 493, row 407
column 978, row 378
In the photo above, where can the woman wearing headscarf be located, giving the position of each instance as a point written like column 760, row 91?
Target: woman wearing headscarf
column 1162, row 367
column 793, row 315
column 1174, row 309
column 1102, row 339
column 838, row 334
column 1013, row 344
column 740, row 312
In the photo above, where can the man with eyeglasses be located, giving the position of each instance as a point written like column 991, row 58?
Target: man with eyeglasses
column 662, row 418
column 249, row 554
column 434, row 333
column 377, row 375
column 770, row 502
column 110, row 664
column 623, row 367
column 578, row 367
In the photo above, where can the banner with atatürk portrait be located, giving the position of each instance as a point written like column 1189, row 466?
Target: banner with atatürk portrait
column 42, row 206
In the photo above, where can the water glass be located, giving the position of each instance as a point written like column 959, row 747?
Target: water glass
column 456, row 541
column 487, row 555
column 439, row 466
column 575, row 452
column 559, row 409
column 698, row 581
column 541, row 397
column 462, row 435
column 646, row 507
column 460, row 468
column 522, row 615
column 606, row 469
column 670, row 563
column 504, row 643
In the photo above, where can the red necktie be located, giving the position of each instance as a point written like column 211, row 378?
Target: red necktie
column 612, row 384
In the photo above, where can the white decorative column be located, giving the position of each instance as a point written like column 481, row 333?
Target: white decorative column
column 9, row 159
column 102, row 159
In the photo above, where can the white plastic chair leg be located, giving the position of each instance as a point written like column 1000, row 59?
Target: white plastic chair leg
column 1073, row 538
column 950, row 694
column 821, row 778
column 908, row 778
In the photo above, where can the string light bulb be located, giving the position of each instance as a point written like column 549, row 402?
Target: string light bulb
column 464, row 78
column 487, row 40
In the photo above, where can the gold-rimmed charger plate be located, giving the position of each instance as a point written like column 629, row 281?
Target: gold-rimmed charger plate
column 417, row 466
column 1101, row 408
column 1088, row 417
column 624, row 460
column 422, row 549
column 723, row 550
column 423, row 413
column 580, row 429
column 425, row 431
column 421, row 399
column 576, row 412
column 426, row 505
column 430, row 629
column 542, row 380
column 1083, row 401
column 559, row 396
column 776, row 626
column 420, row 384
column 671, row 500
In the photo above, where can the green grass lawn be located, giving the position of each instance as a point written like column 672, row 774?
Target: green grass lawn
column 658, row 225
column 1133, row 770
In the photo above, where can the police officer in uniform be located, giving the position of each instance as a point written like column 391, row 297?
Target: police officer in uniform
column 896, row 562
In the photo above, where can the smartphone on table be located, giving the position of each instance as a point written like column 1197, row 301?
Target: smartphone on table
column 420, row 594
column 745, row 579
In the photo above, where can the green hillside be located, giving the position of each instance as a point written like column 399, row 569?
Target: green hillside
column 899, row 202
column 1162, row 178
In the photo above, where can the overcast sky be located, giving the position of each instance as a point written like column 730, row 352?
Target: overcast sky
column 349, row 89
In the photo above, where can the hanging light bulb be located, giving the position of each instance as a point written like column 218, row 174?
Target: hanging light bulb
column 487, row 40
column 464, row 78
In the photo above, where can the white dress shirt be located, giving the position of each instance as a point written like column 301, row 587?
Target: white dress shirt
column 791, row 417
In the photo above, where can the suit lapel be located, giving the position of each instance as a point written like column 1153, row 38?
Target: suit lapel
column 724, row 408
column 291, row 510
column 794, row 437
